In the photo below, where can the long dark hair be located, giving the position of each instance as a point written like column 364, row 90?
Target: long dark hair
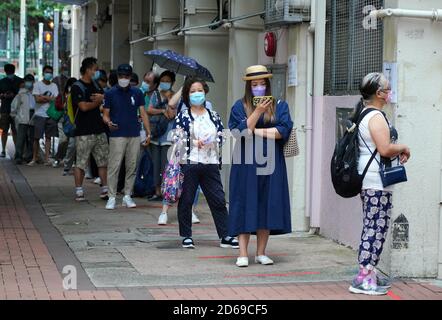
column 269, row 116
column 186, row 89
column 69, row 83
column 370, row 85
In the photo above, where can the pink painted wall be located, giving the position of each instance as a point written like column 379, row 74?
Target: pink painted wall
column 339, row 219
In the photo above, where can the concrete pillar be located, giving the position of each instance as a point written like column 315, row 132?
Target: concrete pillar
column 89, row 43
column 120, row 49
column 243, row 53
column 296, row 98
column 104, row 35
column 416, row 47
column 242, row 48
column 166, row 18
column 210, row 49
column 139, row 24
column 76, row 41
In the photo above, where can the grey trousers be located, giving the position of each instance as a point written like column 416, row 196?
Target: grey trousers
column 120, row 148
column 159, row 159
column 25, row 140
column 70, row 154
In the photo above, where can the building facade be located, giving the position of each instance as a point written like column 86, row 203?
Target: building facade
column 324, row 48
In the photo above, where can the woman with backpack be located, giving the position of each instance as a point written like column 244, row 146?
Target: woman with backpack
column 377, row 141
column 161, row 123
column 259, row 196
column 199, row 137
column 68, row 128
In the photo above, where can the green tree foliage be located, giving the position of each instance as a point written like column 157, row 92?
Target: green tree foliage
column 37, row 10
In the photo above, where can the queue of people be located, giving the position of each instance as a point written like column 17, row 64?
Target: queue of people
column 109, row 119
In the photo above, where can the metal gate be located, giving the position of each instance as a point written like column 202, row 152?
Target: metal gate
column 353, row 47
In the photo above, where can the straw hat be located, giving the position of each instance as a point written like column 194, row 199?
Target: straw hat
column 257, row 72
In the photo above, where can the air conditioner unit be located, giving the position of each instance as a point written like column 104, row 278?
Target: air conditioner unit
column 285, row 12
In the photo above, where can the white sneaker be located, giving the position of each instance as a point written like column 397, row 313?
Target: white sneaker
column 97, row 181
column 162, row 220
column 264, row 260
column 195, row 219
column 242, row 262
column 111, row 204
column 128, row 202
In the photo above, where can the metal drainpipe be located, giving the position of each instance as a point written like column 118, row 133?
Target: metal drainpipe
column 177, row 31
column 309, row 111
column 434, row 14
column 318, row 87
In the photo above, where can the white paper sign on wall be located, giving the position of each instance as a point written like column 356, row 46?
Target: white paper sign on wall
column 293, row 71
column 390, row 71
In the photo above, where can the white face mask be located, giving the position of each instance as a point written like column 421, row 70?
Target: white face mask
column 124, row 83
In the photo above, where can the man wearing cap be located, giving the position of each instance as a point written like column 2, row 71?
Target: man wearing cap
column 121, row 107
column 90, row 131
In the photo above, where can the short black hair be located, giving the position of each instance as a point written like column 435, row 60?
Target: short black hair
column 103, row 75
column 169, row 74
column 134, row 78
column 156, row 77
column 48, row 67
column 9, row 68
column 113, row 78
column 29, row 77
column 87, row 63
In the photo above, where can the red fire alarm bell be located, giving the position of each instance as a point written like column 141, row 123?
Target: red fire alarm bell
column 270, row 44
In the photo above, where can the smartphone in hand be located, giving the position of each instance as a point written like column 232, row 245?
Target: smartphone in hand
column 258, row 100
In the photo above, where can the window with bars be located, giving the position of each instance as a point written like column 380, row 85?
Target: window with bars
column 352, row 49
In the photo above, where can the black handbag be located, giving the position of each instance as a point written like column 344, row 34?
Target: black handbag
column 392, row 175
column 389, row 175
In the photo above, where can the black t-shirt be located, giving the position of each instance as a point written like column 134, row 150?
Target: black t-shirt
column 89, row 122
column 8, row 86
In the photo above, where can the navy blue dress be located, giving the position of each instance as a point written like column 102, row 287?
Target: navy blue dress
column 259, row 202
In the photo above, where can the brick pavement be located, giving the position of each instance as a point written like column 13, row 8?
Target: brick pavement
column 28, row 271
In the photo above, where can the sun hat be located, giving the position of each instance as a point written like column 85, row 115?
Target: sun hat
column 257, row 72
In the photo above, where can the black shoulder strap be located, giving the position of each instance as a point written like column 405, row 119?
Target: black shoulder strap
column 96, row 85
column 81, row 86
column 364, row 114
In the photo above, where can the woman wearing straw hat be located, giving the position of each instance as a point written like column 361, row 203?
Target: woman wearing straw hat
column 259, row 193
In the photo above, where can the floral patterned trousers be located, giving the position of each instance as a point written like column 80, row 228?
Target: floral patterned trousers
column 377, row 206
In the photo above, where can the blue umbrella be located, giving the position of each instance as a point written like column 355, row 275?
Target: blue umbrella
column 180, row 64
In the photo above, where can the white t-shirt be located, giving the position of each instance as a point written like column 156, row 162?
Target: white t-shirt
column 373, row 178
column 41, row 89
column 204, row 129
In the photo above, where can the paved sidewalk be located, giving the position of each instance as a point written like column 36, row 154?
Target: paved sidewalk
column 27, row 270
column 125, row 255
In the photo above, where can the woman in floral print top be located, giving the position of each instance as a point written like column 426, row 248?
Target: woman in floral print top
column 199, row 135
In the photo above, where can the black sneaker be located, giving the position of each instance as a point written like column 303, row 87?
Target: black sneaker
column 229, row 242
column 3, row 154
column 188, row 243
